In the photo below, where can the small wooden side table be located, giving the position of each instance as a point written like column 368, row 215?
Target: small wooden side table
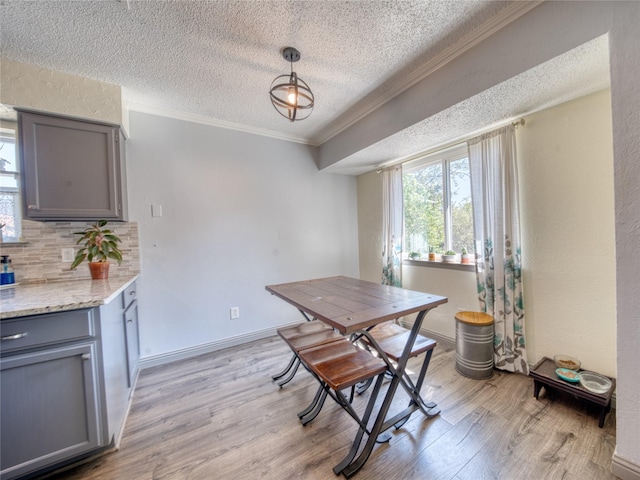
column 544, row 375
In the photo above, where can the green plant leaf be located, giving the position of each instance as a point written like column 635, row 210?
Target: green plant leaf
column 78, row 260
column 111, row 237
column 116, row 256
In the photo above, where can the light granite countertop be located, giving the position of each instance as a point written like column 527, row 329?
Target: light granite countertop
column 58, row 296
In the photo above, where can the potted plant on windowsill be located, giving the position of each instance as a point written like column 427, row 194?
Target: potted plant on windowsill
column 100, row 244
column 449, row 256
column 432, row 254
column 464, row 257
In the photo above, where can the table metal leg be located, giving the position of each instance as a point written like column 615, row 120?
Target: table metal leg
column 417, row 402
column 380, row 425
column 361, row 431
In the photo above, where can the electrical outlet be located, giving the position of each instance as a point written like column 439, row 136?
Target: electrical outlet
column 68, row 254
column 234, row 312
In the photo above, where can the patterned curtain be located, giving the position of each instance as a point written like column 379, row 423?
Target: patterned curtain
column 494, row 178
column 392, row 212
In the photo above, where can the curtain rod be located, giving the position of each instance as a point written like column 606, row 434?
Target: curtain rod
column 516, row 124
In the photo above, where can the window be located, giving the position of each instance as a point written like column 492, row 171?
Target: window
column 10, row 211
column 438, row 212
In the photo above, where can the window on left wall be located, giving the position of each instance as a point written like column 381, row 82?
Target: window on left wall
column 10, row 202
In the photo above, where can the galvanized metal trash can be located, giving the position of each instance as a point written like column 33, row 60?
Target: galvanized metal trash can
column 474, row 344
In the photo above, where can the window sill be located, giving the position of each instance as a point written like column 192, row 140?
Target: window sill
column 465, row 267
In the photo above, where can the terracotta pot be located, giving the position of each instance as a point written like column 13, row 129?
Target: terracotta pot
column 464, row 259
column 432, row 257
column 99, row 270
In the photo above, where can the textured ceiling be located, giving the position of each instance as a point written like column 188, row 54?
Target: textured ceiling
column 579, row 72
column 216, row 59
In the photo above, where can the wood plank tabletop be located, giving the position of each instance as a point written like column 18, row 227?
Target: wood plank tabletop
column 349, row 304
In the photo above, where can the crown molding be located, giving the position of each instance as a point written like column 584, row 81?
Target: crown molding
column 190, row 117
column 512, row 12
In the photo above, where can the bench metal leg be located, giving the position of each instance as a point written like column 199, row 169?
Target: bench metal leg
column 291, row 375
column 287, row 368
column 312, row 411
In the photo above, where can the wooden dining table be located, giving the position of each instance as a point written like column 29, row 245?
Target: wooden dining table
column 353, row 306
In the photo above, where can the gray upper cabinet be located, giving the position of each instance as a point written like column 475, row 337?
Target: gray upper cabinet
column 72, row 169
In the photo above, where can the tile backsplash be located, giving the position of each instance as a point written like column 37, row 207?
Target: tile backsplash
column 39, row 258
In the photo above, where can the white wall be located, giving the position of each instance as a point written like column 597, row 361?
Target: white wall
column 624, row 40
column 370, row 226
column 566, row 188
column 458, row 286
column 240, row 211
column 550, row 29
column 30, row 86
column 567, row 214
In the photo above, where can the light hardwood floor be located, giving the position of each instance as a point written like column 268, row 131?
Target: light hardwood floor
column 220, row 416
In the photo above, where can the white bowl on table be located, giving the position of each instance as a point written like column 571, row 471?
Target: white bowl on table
column 594, row 382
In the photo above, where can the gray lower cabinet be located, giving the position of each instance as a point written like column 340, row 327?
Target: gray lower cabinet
column 72, row 169
column 50, row 408
column 130, row 318
column 66, row 382
column 51, row 394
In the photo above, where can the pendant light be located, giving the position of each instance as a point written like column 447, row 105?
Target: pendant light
column 290, row 95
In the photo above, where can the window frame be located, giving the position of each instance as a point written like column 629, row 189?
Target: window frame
column 444, row 157
column 9, row 135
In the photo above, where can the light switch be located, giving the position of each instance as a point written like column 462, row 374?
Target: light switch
column 156, row 210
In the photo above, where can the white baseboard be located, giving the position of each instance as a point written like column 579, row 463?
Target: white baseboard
column 442, row 340
column 164, row 358
column 176, row 355
column 623, row 468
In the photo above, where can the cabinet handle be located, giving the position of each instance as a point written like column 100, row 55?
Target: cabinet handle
column 129, row 320
column 32, row 207
column 86, row 356
column 17, row 336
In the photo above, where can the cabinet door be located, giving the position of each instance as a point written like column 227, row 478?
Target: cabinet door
column 71, row 169
column 50, row 408
column 133, row 347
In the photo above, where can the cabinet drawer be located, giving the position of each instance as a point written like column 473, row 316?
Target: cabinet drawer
column 47, row 329
column 129, row 295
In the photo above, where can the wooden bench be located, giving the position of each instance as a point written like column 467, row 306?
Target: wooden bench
column 392, row 339
column 302, row 336
column 338, row 366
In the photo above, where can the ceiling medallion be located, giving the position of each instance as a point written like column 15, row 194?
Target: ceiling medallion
column 290, row 95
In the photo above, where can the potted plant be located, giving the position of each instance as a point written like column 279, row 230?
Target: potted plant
column 449, row 256
column 432, row 254
column 100, row 244
column 464, row 257
column 415, row 255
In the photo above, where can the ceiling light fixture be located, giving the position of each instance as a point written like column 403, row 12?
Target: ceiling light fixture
column 290, row 95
